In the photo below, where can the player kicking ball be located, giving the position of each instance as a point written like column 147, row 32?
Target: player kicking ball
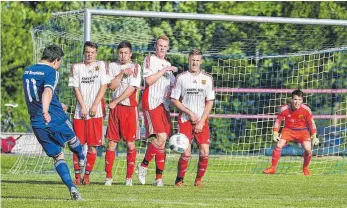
column 297, row 122
column 193, row 95
column 50, row 124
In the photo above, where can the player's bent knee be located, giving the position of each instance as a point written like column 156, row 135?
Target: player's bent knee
column 59, row 157
column 205, row 155
column 308, row 152
column 185, row 157
column 111, row 145
column 131, row 145
column 279, row 145
column 161, row 137
column 92, row 149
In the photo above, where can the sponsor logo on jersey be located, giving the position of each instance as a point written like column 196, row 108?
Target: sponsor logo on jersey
column 195, row 81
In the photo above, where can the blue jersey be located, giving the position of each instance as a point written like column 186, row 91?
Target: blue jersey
column 35, row 79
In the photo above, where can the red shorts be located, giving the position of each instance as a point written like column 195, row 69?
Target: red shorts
column 89, row 131
column 123, row 122
column 297, row 135
column 187, row 128
column 157, row 121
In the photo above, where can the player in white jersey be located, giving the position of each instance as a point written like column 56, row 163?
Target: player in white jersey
column 193, row 95
column 89, row 81
column 123, row 119
column 158, row 77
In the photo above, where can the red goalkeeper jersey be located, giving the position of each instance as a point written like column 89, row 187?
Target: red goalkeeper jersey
column 299, row 119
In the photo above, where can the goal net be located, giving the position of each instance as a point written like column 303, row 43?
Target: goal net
column 255, row 67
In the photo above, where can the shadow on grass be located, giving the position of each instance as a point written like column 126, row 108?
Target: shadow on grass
column 30, row 182
column 34, row 197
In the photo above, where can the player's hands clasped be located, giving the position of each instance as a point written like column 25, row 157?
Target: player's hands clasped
column 127, row 72
column 276, row 137
column 92, row 111
column 314, row 139
column 113, row 104
column 84, row 113
column 171, row 68
column 198, row 127
column 193, row 118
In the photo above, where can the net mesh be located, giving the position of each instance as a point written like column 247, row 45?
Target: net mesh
column 255, row 67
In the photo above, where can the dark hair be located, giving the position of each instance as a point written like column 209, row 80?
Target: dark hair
column 52, row 53
column 194, row 52
column 124, row 44
column 90, row 45
column 298, row 93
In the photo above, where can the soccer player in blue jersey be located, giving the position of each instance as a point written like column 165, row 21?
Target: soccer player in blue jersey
column 50, row 124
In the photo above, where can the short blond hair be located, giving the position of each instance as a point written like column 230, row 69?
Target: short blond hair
column 163, row 37
column 194, row 52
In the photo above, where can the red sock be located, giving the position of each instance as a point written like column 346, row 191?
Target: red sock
column 91, row 157
column 182, row 166
column 276, row 154
column 150, row 153
column 160, row 163
column 76, row 166
column 307, row 159
column 202, row 166
column 109, row 159
column 131, row 159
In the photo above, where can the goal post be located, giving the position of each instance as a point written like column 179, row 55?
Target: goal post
column 256, row 63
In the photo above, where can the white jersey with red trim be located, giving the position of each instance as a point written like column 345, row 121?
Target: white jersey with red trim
column 89, row 79
column 133, row 80
column 158, row 92
column 193, row 91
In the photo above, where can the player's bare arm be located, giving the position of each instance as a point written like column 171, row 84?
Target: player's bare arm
column 99, row 96
column 116, row 81
column 200, row 124
column 64, row 106
column 181, row 107
column 128, row 91
column 46, row 100
column 84, row 111
column 154, row 77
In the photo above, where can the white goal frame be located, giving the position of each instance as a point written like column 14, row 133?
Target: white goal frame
column 88, row 13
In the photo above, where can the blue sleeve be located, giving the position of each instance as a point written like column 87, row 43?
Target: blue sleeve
column 51, row 80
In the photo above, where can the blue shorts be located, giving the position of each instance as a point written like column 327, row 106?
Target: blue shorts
column 54, row 138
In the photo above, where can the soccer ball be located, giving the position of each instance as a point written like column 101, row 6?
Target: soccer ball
column 179, row 143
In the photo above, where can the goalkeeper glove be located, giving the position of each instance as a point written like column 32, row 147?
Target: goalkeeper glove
column 314, row 139
column 276, row 136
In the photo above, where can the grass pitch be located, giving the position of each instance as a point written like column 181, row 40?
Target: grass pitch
column 220, row 190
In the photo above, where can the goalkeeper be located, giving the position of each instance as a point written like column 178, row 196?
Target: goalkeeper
column 298, row 118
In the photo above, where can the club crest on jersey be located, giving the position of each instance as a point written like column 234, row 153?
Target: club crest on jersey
column 203, row 81
column 167, row 75
column 97, row 68
column 300, row 116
